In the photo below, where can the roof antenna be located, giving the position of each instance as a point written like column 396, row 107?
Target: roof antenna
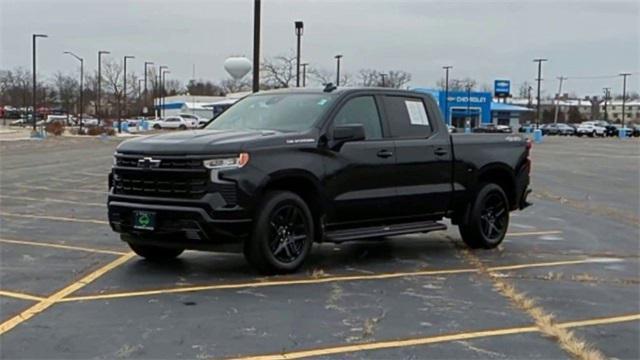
column 329, row 87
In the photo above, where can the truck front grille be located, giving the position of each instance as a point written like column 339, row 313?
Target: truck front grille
column 172, row 177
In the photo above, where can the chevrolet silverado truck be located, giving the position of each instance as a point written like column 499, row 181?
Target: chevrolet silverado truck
column 281, row 170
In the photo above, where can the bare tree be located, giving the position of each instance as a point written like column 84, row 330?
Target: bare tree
column 392, row 78
column 228, row 86
column 458, row 84
column 523, row 91
column 279, row 72
column 68, row 91
column 206, row 88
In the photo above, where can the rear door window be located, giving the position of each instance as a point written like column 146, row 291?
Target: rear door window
column 408, row 117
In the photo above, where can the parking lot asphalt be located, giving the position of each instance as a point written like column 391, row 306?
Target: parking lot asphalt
column 70, row 289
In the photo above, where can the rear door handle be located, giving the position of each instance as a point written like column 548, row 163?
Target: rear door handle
column 385, row 153
column 440, row 151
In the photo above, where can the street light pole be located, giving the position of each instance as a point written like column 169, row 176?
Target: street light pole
column 606, row 99
column 124, row 93
column 446, row 92
column 304, row 74
column 256, row 46
column 539, row 61
column 299, row 30
column 146, row 95
column 338, row 57
column 81, row 83
column 163, row 92
column 624, row 94
column 99, row 89
column 35, row 112
column 159, row 89
column 469, row 104
column 555, row 116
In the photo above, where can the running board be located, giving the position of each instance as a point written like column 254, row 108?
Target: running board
column 378, row 231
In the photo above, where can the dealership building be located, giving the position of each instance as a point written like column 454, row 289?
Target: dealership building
column 479, row 107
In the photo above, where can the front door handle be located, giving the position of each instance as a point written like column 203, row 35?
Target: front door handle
column 385, row 153
column 440, row 151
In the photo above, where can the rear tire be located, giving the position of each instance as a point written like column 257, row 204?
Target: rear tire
column 155, row 253
column 488, row 220
column 157, row 127
column 283, row 234
column 182, row 127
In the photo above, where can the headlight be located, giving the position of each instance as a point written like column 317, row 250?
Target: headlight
column 227, row 163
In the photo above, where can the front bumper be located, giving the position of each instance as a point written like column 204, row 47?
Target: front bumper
column 191, row 224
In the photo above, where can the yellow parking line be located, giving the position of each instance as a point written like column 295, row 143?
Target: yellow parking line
column 432, row 339
column 55, row 218
column 61, row 201
column 258, row 284
column 21, row 296
column 533, row 233
column 49, row 301
column 60, row 246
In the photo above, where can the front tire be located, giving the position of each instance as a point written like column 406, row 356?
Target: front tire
column 283, row 234
column 157, row 127
column 488, row 220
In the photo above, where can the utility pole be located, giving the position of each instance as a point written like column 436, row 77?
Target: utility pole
column 35, row 104
column 159, row 87
column 163, row 91
column 607, row 93
column 555, row 116
column 338, row 57
column 100, row 53
column 624, row 94
column 539, row 79
column 299, row 29
column 446, row 93
column 256, row 45
column 81, row 83
column 146, row 95
column 529, row 95
column 124, row 93
column 304, row 74
column 383, row 76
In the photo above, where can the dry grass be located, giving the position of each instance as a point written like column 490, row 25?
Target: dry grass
column 567, row 340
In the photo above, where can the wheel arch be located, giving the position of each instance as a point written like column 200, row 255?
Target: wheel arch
column 503, row 176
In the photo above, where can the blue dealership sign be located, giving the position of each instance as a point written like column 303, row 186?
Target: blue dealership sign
column 502, row 88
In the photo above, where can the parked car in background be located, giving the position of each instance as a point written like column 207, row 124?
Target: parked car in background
column 591, row 128
column 635, row 130
column 493, row 128
column 627, row 130
column 199, row 121
column 610, row 129
column 175, row 122
column 559, row 129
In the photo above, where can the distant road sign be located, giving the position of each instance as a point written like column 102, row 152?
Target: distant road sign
column 502, row 88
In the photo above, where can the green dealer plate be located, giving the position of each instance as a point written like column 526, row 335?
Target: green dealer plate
column 144, row 220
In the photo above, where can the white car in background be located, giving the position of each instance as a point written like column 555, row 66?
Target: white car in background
column 590, row 128
column 175, row 122
column 194, row 118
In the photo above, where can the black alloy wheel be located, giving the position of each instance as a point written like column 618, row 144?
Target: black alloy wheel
column 494, row 219
column 288, row 231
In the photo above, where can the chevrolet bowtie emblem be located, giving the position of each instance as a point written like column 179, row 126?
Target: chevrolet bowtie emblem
column 148, row 163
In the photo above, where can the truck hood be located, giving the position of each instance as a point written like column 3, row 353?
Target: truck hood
column 201, row 142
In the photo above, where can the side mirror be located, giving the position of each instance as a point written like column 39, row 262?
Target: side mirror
column 349, row 132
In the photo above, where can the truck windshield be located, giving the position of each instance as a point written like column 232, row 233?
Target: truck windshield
column 280, row 112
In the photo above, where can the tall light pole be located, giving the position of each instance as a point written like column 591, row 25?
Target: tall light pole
column 338, row 57
column 81, row 83
column 468, row 104
column 539, row 61
column 446, row 92
column 299, row 30
column 607, row 93
column 304, row 74
column 555, row 116
column 624, row 94
column 99, row 89
column 383, row 76
column 163, row 92
column 146, row 96
column 159, row 89
column 256, row 46
column 124, row 92
column 35, row 112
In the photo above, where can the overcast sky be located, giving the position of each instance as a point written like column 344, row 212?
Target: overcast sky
column 484, row 40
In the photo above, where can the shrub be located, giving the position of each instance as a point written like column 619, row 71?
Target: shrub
column 56, row 128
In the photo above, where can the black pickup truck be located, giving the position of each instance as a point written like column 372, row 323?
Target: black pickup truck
column 282, row 169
